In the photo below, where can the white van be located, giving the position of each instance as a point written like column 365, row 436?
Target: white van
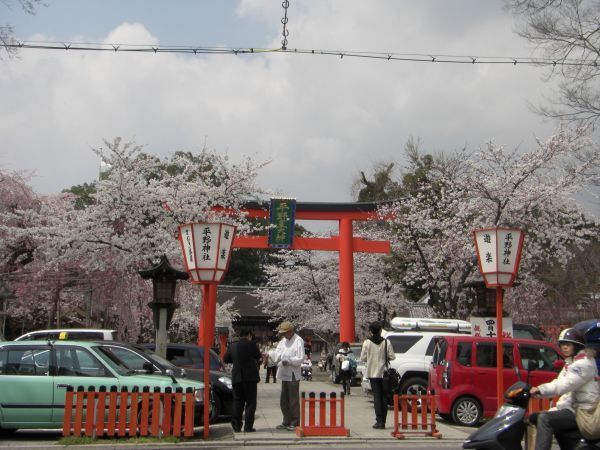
column 71, row 334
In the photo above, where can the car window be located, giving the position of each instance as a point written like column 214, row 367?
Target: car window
column 179, row 357
column 540, row 357
column 430, row 346
column 24, row 361
column 402, row 344
column 132, row 359
column 439, row 351
column 73, row 361
column 485, row 355
column 157, row 358
column 463, row 353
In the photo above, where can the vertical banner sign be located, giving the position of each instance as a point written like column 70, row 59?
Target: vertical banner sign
column 499, row 254
column 282, row 214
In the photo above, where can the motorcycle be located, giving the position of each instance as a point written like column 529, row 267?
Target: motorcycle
column 506, row 429
column 306, row 371
column 322, row 364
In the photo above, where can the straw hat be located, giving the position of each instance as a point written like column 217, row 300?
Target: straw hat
column 285, row 327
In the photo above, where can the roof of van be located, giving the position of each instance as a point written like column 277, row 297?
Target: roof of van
column 430, row 324
column 68, row 330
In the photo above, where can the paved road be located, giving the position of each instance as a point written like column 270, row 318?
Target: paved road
column 359, row 419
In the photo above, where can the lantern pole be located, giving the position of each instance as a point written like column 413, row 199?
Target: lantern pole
column 206, row 251
column 498, row 256
column 499, row 345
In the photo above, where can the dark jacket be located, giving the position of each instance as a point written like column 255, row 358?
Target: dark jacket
column 245, row 357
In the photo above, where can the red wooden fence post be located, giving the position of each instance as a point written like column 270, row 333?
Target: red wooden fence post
column 333, row 410
column 124, row 396
column 100, row 406
column 68, row 411
column 78, row 411
column 112, row 411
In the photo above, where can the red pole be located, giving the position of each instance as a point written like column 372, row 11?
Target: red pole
column 202, row 317
column 346, row 282
column 499, row 346
column 210, row 306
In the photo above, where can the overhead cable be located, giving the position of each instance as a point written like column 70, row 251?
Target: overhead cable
column 199, row 50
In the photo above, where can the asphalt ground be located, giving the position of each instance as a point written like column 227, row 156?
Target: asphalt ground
column 359, row 414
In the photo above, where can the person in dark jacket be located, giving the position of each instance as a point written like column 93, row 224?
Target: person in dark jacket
column 245, row 357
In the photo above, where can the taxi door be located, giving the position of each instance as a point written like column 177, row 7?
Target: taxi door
column 26, row 394
column 77, row 366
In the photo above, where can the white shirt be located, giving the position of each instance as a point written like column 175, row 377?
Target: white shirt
column 374, row 355
column 292, row 351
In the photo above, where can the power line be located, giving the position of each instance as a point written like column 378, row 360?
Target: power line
column 199, row 50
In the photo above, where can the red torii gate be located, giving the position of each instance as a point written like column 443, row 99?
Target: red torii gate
column 346, row 244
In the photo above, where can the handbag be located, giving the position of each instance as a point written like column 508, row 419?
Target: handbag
column 588, row 422
column 345, row 365
column 391, row 377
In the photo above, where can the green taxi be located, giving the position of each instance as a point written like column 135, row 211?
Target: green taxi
column 34, row 377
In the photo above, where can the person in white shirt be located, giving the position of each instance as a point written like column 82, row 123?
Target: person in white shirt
column 289, row 355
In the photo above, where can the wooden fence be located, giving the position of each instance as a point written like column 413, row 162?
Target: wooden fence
column 110, row 412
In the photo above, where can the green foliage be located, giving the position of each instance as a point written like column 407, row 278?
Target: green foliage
column 84, row 194
column 385, row 185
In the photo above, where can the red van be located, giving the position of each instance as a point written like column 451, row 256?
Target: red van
column 463, row 373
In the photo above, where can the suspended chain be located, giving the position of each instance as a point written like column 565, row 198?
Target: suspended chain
column 284, row 21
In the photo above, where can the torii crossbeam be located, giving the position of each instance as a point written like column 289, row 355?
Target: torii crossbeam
column 346, row 244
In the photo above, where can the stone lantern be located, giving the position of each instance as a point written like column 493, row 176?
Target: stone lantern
column 164, row 281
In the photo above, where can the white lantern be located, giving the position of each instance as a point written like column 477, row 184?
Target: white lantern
column 499, row 254
column 206, row 250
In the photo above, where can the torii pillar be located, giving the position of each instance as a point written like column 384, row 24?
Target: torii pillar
column 345, row 244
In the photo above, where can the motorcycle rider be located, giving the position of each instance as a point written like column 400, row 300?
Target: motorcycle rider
column 576, row 385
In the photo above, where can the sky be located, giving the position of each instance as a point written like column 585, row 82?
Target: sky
column 319, row 120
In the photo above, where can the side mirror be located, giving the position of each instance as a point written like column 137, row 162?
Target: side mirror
column 170, row 373
column 148, row 367
column 518, row 372
column 558, row 365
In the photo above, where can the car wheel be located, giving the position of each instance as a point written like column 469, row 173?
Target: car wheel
column 217, row 408
column 466, row 411
column 414, row 386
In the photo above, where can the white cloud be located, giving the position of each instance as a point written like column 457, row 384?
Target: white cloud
column 320, row 119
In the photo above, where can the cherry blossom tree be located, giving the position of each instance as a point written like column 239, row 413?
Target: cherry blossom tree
column 128, row 222
column 304, row 287
column 431, row 228
column 140, row 202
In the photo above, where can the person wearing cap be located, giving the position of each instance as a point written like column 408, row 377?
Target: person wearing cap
column 289, row 355
column 245, row 357
column 576, row 385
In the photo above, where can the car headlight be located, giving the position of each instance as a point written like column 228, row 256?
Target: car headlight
column 227, row 382
column 200, row 395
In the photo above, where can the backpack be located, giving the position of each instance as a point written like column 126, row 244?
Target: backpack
column 353, row 365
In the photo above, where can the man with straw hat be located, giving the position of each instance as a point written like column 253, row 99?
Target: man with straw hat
column 289, row 355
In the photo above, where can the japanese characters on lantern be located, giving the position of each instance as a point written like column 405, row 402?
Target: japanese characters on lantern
column 206, row 249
